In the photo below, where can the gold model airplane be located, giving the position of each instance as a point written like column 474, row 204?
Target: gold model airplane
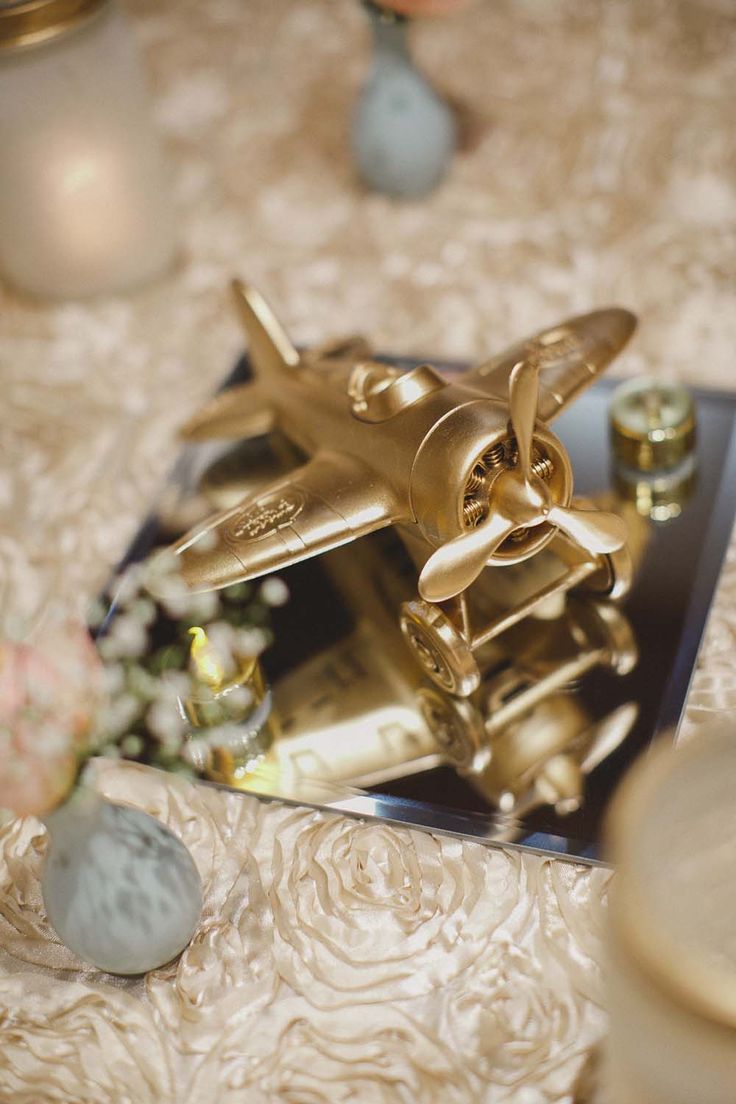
column 465, row 468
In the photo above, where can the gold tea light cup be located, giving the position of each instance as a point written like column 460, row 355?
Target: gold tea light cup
column 672, row 969
column 653, row 439
column 231, row 714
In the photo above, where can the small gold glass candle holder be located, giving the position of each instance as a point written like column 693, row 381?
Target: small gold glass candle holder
column 661, row 496
column 230, row 714
column 653, row 440
column 652, row 424
column 672, row 969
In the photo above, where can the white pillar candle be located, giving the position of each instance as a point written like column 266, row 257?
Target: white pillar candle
column 672, row 969
column 85, row 202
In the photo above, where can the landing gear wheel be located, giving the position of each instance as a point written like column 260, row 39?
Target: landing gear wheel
column 615, row 576
column 439, row 648
column 455, row 726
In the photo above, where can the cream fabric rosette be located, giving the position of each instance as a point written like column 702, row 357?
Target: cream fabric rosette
column 380, row 1056
column 66, row 1043
column 572, row 902
column 512, row 1027
column 364, row 912
column 25, row 934
column 227, row 971
column 527, row 1012
column 423, row 967
column 226, row 975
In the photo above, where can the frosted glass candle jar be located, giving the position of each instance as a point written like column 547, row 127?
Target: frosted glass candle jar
column 672, row 970
column 85, row 203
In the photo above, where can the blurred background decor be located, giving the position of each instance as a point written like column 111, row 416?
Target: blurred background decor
column 85, row 196
column 118, row 887
column 403, row 133
column 607, row 176
column 672, row 968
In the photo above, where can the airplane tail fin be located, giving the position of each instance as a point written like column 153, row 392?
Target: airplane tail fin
column 268, row 346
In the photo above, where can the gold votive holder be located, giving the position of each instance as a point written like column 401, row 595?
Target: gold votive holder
column 231, row 718
column 672, row 968
column 652, row 424
column 661, row 496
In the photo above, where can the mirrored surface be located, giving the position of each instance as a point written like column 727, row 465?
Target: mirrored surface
column 568, row 696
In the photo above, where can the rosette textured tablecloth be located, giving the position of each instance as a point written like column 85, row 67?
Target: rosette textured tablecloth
column 340, row 961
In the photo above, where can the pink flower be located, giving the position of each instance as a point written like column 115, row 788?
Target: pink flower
column 49, row 694
column 424, row 7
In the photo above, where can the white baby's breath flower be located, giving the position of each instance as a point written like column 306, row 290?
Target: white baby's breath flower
column 165, row 722
column 221, row 635
column 203, row 607
column 250, row 641
column 127, row 586
column 119, row 715
column 132, row 744
column 162, row 565
column 176, row 606
column 173, row 685
column 142, row 683
column 162, row 579
column 240, row 698
column 171, row 742
column 113, row 678
column 96, row 613
column 127, row 638
column 274, row 592
column 143, row 610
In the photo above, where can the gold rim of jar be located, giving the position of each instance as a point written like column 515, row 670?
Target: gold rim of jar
column 686, row 980
column 33, row 22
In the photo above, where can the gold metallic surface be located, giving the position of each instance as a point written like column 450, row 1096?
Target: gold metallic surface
column 379, row 392
column 652, row 424
column 626, row 194
column 32, row 22
column 230, row 713
column 361, row 711
column 448, row 641
column 440, row 647
column 660, row 496
column 553, row 744
column 460, row 466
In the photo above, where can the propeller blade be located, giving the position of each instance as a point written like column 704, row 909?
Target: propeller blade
column 594, row 530
column 523, row 396
column 457, row 564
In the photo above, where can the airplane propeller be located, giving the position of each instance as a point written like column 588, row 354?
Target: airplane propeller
column 519, row 500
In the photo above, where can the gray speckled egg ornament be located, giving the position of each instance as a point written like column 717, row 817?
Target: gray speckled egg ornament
column 403, row 135
column 120, row 890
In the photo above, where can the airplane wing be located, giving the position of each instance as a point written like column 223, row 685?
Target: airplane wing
column 241, row 411
column 569, row 356
column 329, row 501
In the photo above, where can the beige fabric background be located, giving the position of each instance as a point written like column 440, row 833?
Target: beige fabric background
column 338, row 961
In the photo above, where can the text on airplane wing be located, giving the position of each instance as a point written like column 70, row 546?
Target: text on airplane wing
column 329, row 501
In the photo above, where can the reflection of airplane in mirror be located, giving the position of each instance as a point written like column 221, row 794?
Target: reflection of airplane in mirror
column 464, row 468
column 359, row 713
